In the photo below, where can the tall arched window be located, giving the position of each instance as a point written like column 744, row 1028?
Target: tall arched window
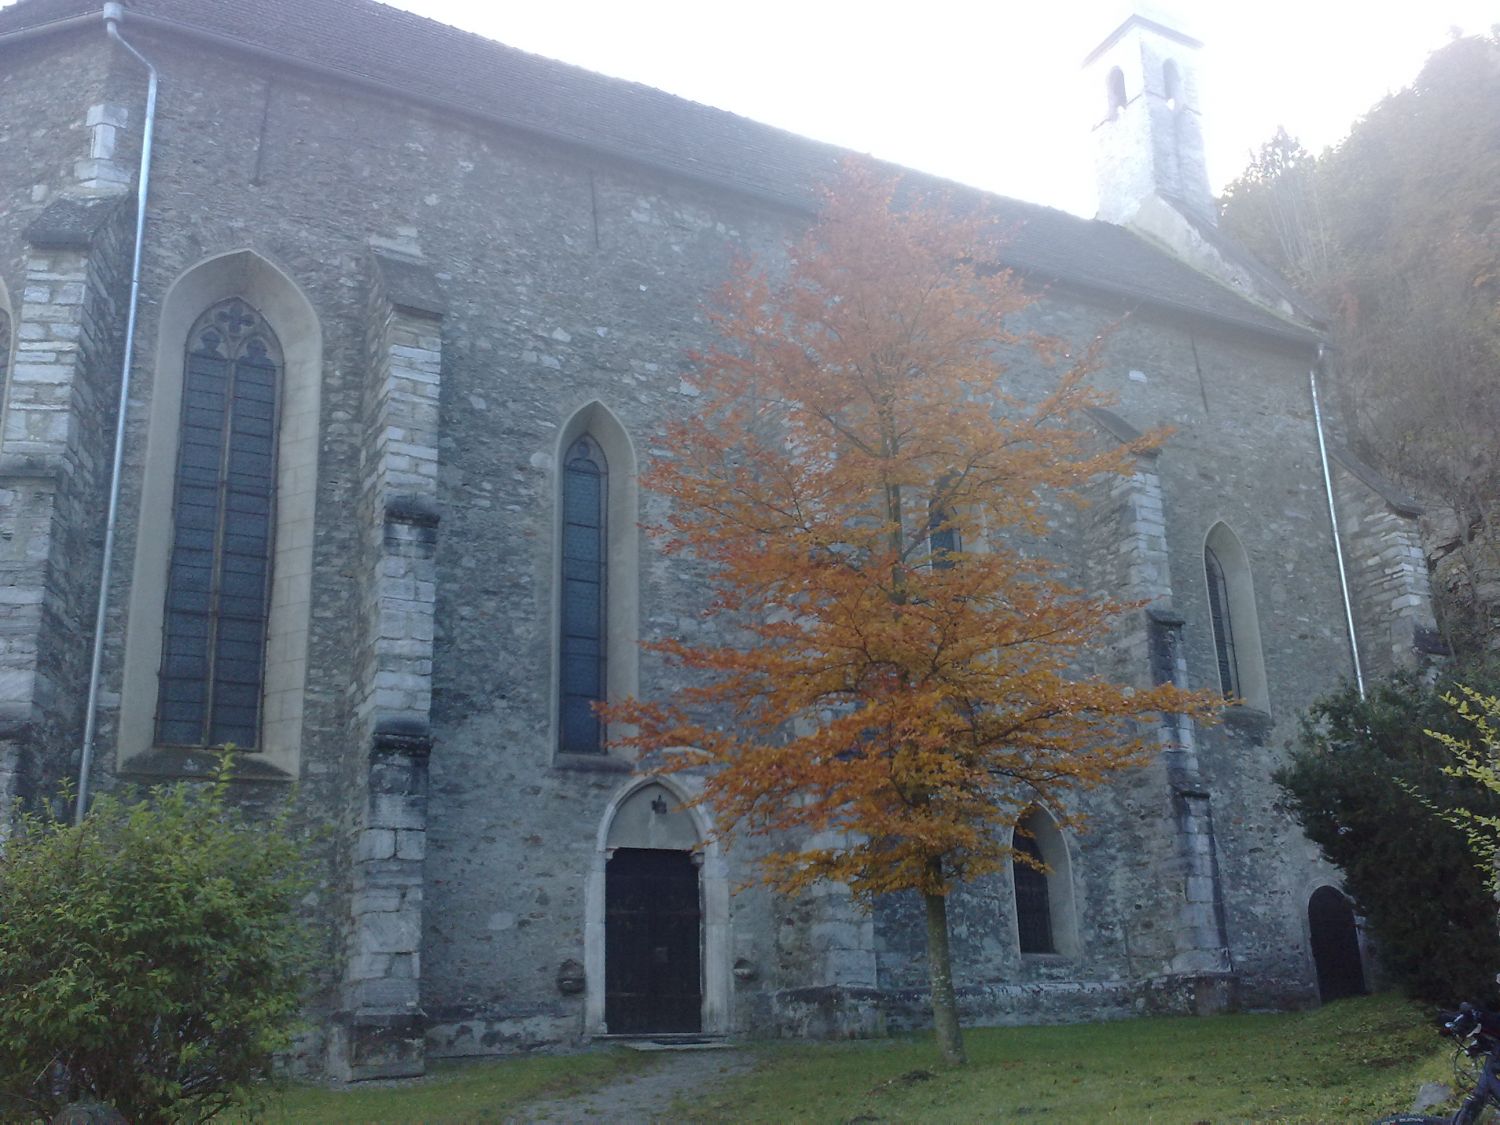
column 1033, row 904
column 1114, row 90
column 584, row 594
column 1233, row 619
column 1223, row 624
column 1043, row 895
column 218, row 581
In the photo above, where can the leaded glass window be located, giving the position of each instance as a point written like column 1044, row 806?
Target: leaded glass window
column 219, row 575
column 1218, row 610
column 1033, row 901
column 585, row 495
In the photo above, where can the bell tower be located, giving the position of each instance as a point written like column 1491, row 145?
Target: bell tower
column 1148, row 140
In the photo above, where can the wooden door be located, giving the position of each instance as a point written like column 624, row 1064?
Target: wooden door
column 652, row 943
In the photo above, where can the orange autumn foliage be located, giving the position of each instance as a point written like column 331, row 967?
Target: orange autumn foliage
column 879, row 706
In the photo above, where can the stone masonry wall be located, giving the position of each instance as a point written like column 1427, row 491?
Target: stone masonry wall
column 511, row 286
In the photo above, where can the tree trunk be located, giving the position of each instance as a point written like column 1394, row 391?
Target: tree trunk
column 950, row 1040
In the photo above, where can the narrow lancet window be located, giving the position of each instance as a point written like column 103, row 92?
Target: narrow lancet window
column 219, row 577
column 1223, row 626
column 585, row 484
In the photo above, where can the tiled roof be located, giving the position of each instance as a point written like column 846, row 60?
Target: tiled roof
column 373, row 43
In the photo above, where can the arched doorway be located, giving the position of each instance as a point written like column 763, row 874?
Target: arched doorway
column 655, row 938
column 1335, row 945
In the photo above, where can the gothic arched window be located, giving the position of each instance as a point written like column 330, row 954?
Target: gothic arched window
column 1045, row 921
column 219, row 575
column 585, row 552
column 1033, row 902
column 1234, row 621
column 1223, row 624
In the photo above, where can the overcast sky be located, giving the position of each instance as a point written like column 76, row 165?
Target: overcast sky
column 988, row 93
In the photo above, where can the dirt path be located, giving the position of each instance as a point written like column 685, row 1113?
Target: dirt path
column 643, row 1098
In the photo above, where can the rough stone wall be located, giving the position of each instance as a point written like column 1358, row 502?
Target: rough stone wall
column 1391, row 592
column 62, row 332
column 457, row 888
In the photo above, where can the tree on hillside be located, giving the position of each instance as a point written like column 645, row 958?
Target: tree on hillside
column 898, row 669
column 1397, row 234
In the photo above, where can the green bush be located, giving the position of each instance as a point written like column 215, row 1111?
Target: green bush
column 1365, row 783
column 151, row 958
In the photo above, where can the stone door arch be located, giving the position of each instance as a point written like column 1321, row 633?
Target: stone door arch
column 666, row 893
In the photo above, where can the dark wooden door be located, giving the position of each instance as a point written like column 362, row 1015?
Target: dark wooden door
column 1335, row 945
column 651, row 944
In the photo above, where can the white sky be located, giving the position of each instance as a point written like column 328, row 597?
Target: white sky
column 987, row 92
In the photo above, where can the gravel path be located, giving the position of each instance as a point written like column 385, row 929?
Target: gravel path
column 643, row 1098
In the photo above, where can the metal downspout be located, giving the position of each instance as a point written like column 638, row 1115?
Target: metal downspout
column 1333, row 519
column 113, row 13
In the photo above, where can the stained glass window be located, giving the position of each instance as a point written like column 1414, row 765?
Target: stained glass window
column 1218, row 609
column 585, row 485
column 219, row 576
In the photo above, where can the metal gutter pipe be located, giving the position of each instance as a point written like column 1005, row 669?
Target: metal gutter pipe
column 1333, row 519
column 113, row 13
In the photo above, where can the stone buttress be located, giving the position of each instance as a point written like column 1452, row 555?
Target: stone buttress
column 382, row 1023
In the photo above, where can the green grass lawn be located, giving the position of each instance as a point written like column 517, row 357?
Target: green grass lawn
column 1348, row 1062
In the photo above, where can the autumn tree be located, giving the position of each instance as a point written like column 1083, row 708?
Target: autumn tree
column 897, row 668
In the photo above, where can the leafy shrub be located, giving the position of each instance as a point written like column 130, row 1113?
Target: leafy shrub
column 149, row 958
column 1365, row 783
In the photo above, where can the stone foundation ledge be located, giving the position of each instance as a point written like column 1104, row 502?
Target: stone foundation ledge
column 1073, row 1001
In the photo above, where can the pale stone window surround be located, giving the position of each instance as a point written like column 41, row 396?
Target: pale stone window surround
column 7, row 349
column 247, row 275
column 625, row 824
column 1244, row 621
column 622, row 579
column 1060, row 898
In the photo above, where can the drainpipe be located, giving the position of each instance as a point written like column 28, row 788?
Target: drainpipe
column 113, row 13
column 1333, row 519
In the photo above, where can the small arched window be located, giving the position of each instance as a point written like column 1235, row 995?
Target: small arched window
column 1233, row 619
column 219, row 574
column 584, row 641
column 1043, row 887
column 1114, row 90
column 1171, row 82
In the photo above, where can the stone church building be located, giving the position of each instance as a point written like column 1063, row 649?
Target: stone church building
column 410, row 310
